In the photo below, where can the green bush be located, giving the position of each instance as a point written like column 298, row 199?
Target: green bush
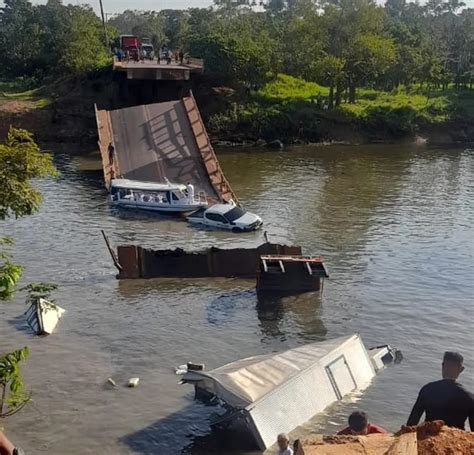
column 285, row 87
column 285, row 102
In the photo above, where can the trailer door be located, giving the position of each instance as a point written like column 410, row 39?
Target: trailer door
column 341, row 377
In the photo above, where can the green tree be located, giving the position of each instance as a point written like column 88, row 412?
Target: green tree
column 152, row 28
column 303, row 44
column 127, row 21
column 330, row 71
column 13, row 396
column 54, row 21
column 370, row 57
column 20, row 161
column 20, row 38
column 10, row 272
column 239, row 49
column 84, row 50
column 175, row 27
column 38, row 291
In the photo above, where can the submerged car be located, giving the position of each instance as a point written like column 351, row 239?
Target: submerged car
column 226, row 216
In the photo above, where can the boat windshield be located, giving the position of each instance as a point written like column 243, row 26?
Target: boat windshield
column 234, row 214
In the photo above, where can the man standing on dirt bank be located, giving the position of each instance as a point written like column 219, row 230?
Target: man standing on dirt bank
column 445, row 400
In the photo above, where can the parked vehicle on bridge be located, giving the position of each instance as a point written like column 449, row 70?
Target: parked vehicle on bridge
column 148, row 51
column 129, row 41
column 226, row 216
column 155, row 197
column 130, row 44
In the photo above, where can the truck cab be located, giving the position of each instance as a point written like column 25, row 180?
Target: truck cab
column 130, row 44
column 148, row 51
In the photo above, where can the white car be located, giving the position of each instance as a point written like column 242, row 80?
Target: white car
column 226, row 216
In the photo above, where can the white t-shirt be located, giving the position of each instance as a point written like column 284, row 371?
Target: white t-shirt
column 287, row 451
column 190, row 190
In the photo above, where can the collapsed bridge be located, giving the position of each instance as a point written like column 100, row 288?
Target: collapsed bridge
column 159, row 141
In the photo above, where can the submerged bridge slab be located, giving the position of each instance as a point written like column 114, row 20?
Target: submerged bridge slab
column 162, row 140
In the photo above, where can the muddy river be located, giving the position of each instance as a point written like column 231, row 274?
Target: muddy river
column 394, row 223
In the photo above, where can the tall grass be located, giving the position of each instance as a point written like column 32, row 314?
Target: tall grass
column 20, row 90
column 285, row 88
column 285, row 104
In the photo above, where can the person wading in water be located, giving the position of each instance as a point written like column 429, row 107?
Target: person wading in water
column 359, row 425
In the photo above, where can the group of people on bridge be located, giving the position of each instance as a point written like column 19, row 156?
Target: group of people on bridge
column 136, row 55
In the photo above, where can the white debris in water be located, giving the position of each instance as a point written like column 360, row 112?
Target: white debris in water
column 112, row 382
column 133, row 382
column 420, row 140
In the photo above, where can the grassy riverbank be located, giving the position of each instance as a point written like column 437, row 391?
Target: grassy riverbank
column 288, row 108
column 58, row 110
column 285, row 108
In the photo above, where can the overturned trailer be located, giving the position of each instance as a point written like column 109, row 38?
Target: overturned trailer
column 275, row 393
column 138, row 262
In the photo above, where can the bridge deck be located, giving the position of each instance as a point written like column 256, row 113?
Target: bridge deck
column 162, row 140
column 159, row 70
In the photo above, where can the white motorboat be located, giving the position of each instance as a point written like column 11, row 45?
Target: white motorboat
column 156, row 197
column 277, row 392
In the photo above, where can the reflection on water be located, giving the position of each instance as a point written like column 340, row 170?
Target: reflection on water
column 393, row 223
column 302, row 311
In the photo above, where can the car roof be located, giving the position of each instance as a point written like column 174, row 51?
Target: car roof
column 221, row 209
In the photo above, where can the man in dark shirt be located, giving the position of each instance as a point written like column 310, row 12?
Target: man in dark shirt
column 445, row 400
column 111, row 152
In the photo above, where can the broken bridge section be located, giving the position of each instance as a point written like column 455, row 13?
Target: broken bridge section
column 162, row 140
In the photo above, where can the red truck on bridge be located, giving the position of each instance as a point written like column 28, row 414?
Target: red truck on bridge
column 130, row 43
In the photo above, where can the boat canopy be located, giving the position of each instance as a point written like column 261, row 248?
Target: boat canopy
column 246, row 381
column 146, row 186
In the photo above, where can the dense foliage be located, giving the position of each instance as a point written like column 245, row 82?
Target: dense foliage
column 393, row 67
column 51, row 39
column 342, row 44
column 285, row 104
column 20, row 161
column 13, row 396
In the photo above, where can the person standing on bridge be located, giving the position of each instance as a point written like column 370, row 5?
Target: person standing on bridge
column 111, row 152
column 190, row 191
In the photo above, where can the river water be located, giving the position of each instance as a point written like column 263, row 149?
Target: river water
column 394, row 223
